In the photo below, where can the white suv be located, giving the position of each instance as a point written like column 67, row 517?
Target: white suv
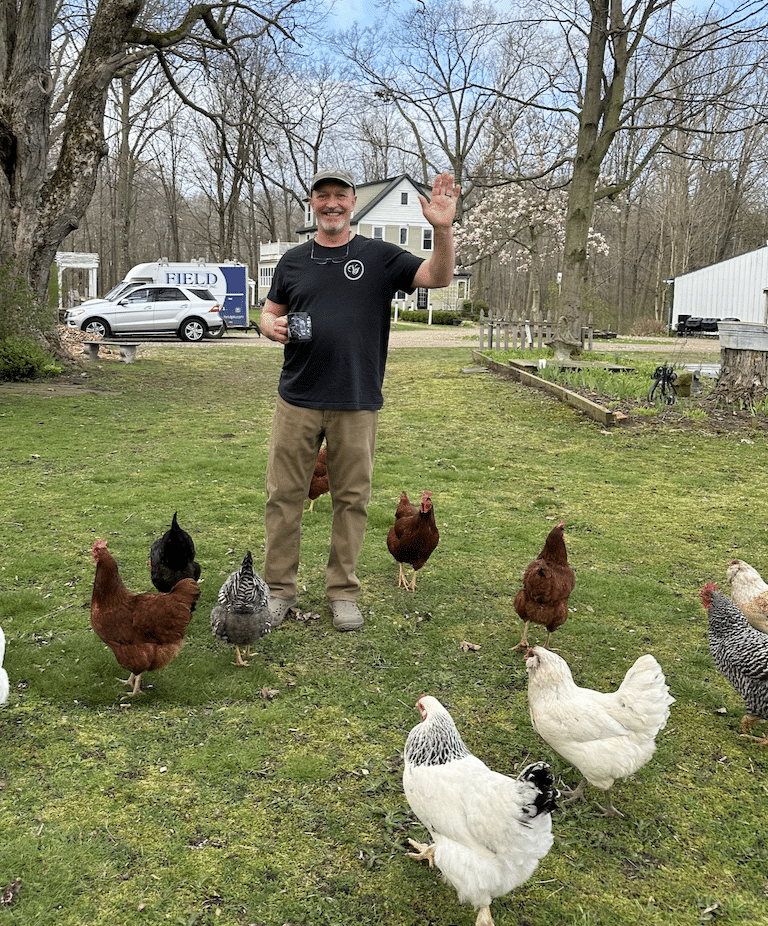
column 188, row 312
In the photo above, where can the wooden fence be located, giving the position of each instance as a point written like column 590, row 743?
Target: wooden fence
column 503, row 333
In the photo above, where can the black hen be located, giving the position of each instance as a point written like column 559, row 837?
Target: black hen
column 172, row 558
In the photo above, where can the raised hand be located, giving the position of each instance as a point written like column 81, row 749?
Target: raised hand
column 440, row 209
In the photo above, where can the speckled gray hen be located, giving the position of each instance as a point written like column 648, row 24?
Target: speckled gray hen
column 241, row 616
column 741, row 653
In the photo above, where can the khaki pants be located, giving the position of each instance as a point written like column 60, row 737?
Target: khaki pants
column 297, row 434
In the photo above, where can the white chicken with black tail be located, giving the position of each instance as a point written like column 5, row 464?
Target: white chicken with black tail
column 606, row 735
column 488, row 831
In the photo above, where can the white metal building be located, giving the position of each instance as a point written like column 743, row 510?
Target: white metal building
column 735, row 288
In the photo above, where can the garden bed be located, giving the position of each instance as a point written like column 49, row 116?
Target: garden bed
column 697, row 412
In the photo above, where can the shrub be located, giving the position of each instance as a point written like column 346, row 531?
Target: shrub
column 421, row 316
column 20, row 310
column 647, row 328
column 23, row 358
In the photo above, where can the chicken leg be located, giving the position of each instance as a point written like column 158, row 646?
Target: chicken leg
column 402, row 581
column 484, row 917
column 747, row 722
column 575, row 794
column 523, row 644
column 423, row 851
column 609, row 810
column 240, row 661
column 134, row 680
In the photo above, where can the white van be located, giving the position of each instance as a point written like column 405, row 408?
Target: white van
column 227, row 281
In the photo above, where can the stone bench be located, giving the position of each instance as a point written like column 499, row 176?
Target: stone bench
column 127, row 349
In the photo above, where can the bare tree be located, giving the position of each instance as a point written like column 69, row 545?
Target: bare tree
column 446, row 68
column 48, row 177
column 677, row 57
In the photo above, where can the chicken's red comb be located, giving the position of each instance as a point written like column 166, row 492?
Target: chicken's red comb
column 706, row 594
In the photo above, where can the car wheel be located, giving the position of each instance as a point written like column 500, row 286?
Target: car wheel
column 97, row 326
column 192, row 329
column 217, row 332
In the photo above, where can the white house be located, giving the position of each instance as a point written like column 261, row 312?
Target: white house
column 390, row 210
column 734, row 288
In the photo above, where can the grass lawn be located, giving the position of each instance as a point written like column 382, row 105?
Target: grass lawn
column 272, row 794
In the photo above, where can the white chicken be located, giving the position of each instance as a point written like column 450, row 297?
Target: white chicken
column 488, row 831
column 749, row 593
column 4, row 684
column 606, row 735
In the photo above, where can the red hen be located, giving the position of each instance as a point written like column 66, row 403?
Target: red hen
column 547, row 582
column 319, row 483
column 145, row 632
column 413, row 537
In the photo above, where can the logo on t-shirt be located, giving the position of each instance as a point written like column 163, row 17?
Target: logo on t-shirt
column 354, row 269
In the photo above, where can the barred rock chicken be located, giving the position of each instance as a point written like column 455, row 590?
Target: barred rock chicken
column 319, row 483
column 241, row 616
column 145, row 632
column 413, row 537
column 605, row 735
column 172, row 558
column 488, row 831
column 547, row 584
column 741, row 654
column 749, row 593
column 4, row 684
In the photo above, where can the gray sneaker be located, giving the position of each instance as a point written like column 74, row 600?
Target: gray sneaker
column 278, row 608
column 346, row 615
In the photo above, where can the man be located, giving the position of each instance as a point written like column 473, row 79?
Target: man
column 330, row 385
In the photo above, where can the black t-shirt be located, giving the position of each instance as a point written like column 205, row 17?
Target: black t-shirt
column 350, row 303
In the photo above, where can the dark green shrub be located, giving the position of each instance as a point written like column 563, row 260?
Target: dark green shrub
column 421, row 316
column 23, row 358
column 20, row 310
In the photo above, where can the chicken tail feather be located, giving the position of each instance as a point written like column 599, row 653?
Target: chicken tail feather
column 539, row 774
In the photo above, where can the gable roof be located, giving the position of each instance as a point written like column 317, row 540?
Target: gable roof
column 370, row 194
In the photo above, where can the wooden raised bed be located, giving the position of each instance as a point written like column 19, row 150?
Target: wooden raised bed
column 520, row 372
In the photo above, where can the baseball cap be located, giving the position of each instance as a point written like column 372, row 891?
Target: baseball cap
column 333, row 173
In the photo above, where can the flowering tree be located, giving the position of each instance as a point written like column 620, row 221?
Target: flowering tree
column 522, row 227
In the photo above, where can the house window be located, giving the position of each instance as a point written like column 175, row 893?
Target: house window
column 426, row 239
column 404, row 199
column 401, row 295
column 308, row 214
column 378, row 232
column 404, row 234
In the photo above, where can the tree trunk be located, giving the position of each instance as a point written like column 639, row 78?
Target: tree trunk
column 39, row 209
column 599, row 120
column 743, row 379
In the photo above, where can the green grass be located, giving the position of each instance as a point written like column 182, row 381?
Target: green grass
column 273, row 794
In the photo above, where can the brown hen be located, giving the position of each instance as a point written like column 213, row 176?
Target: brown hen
column 413, row 537
column 319, row 484
column 547, row 582
column 146, row 631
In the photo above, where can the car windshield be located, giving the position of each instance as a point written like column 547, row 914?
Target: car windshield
column 113, row 294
